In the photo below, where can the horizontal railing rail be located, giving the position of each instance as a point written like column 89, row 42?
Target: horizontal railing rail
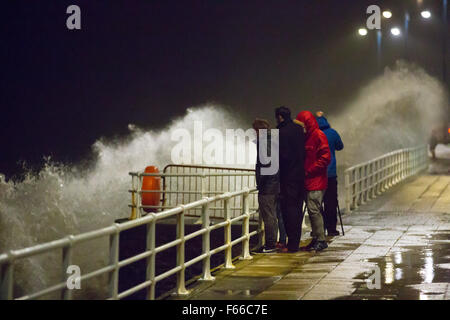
column 365, row 181
column 67, row 245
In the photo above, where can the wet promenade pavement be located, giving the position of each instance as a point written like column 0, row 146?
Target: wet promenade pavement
column 404, row 234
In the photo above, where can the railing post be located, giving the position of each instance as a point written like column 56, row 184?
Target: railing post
column 401, row 165
column 347, row 191
column 151, row 244
column 7, row 279
column 203, row 185
column 246, row 227
column 181, row 282
column 394, row 166
column 202, row 192
column 133, row 198
column 377, row 178
column 229, row 249
column 66, row 293
column 114, row 261
column 383, row 174
column 359, row 190
column 404, row 157
column 388, row 172
column 206, row 244
column 364, row 184
column 139, row 197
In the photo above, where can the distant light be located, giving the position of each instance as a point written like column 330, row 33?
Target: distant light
column 448, row 130
column 362, row 32
column 395, row 32
column 426, row 14
column 387, row 14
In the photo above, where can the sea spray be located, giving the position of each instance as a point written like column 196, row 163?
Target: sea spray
column 62, row 200
column 396, row 110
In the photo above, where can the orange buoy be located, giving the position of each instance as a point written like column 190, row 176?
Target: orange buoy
column 151, row 183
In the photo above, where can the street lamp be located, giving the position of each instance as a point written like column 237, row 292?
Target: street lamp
column 387, row 14
column 362, row 32
column 395, row 31
column 426, row 14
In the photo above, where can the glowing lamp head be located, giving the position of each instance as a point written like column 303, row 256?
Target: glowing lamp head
column 362, row 32
column 426, row 14
column 395, row 32
column 387, row 14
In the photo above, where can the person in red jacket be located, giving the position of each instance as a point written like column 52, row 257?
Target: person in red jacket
column 317, row 159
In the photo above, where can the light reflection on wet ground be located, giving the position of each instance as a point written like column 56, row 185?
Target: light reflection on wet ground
column 417, row 273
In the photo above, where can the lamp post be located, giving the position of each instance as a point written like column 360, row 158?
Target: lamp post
column 396, row 32
column 444, row 41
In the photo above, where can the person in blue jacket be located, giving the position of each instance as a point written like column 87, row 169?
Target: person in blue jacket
column 330, row 198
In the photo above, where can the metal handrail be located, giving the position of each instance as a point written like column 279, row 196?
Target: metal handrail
column 366, row 180
column 187, row 183
column 68, row 244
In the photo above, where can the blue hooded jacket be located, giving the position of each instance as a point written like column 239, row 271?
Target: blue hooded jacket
column 334, row 141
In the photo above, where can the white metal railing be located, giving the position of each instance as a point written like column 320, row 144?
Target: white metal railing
column 365, row 181
column 69, row 244
column 183, row 184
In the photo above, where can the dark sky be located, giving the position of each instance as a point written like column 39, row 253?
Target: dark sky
column 146, row 61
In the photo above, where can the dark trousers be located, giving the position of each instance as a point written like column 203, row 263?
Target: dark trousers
column 268, row 210
column 330, row 201
column 281, row 228
column 291, row 201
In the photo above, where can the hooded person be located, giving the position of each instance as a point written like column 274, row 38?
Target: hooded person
column 330, row 199
column 317, row 159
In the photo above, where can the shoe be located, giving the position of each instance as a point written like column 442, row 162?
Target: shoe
column 287, row 250
column 310, row 246
column 280, row 245
column 333, row 233
column 265, row 250
column 320, row 245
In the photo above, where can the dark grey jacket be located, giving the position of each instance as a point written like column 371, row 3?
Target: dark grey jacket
column 292, row 152
column 266, row 184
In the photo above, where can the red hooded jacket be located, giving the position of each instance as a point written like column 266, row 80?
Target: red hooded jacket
column 318, row 155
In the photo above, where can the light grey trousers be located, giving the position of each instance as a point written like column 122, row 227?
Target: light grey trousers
column 313, row 203
column 268, row 211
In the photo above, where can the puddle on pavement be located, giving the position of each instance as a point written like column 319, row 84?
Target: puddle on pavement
column 417, row 273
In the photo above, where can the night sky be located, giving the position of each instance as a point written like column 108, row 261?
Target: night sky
column 144, row 62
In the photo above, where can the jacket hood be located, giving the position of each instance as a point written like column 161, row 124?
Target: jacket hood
column 309, row 120
column 323, row 123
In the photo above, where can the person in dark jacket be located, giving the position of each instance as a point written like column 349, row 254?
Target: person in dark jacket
column 317, row 159
column 292, row 176
column 268, row 185
column 330, row 199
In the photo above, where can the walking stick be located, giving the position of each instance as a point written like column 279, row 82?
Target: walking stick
column 340, row 218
